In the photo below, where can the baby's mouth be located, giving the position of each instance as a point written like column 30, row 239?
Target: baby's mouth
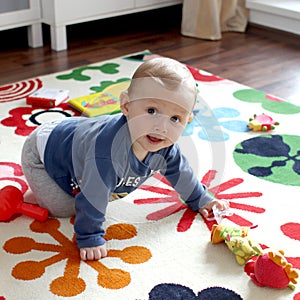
column 154, row 139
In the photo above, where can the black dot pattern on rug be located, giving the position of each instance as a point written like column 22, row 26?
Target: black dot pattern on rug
column 171, row 291
column 180, row 292
column 218, row 293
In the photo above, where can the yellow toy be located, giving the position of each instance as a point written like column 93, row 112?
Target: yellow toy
column 243, row 248
column 219, row 232
column 237, row 241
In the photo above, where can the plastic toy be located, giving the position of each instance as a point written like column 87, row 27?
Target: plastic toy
column 237, row 242
column 11, row 202
column 220, row 232
column 272, row 270
column 219, row 215
column 262, row 123
column 243, row 248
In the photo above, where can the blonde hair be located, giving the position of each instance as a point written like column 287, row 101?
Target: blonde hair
column 168, row 72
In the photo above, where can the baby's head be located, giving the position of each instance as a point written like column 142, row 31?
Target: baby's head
column 165, row 79
column 158, row 104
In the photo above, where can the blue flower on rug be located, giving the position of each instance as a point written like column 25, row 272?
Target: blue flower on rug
column 274, row 158
column 213, row 122
column 172, row 291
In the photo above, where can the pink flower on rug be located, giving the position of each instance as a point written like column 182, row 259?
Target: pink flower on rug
column 25, row 119
column 11, row 173
column 188, row 217
column 274, row 98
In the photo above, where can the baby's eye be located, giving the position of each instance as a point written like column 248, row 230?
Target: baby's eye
column 151, row 111
column 175, row 119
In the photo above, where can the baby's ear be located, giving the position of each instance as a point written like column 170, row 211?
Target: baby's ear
column 191, row 117
column 124, row 100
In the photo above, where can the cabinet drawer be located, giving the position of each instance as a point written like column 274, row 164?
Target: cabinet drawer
column 74, row 11
column 156, row 3
column 21, row 17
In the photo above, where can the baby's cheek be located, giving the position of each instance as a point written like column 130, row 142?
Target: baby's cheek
column 139, row 127
column 174, row 135
column 177, row 130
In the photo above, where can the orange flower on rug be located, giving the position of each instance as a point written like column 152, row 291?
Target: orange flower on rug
column 70, row 284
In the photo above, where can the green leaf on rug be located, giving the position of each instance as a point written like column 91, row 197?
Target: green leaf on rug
column 76, row 74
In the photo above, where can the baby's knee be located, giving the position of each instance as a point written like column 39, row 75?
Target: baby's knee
column 62, row 212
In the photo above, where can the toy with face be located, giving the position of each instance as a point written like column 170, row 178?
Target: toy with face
column 272, row 270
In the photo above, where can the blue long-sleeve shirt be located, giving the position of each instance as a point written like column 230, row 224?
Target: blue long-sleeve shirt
column 92, row 159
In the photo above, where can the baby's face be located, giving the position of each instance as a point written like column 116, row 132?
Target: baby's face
column 155, row 124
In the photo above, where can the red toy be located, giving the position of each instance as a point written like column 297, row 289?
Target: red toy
column 262, row 123
column 273, row 270
column 11, row 202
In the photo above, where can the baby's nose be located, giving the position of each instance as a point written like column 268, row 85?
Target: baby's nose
column 161, row 124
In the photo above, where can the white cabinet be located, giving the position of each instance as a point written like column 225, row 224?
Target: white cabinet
column 66, row 12
column 60, row 13
column 23, row 13
column 279, row 14
column 153, row 3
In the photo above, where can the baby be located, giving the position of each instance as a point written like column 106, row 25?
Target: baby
column 77, row 165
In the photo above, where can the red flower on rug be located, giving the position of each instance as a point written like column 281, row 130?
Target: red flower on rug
column 70, row 283
column 292, row 230
column 26, row 119
column 177, row 204
column 19, row 90
column 200, row 75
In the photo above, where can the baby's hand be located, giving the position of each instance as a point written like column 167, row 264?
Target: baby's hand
column 93, row 253
column 205, row 211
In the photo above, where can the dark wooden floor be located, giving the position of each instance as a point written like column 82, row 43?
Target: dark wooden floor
column 262, row 59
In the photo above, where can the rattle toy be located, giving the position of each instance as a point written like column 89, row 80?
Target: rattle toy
column 11, row 202
column 273, row 270
column 218, row 214
column 262, row 123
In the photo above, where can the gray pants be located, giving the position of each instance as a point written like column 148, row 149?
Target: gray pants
column 46, row 192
